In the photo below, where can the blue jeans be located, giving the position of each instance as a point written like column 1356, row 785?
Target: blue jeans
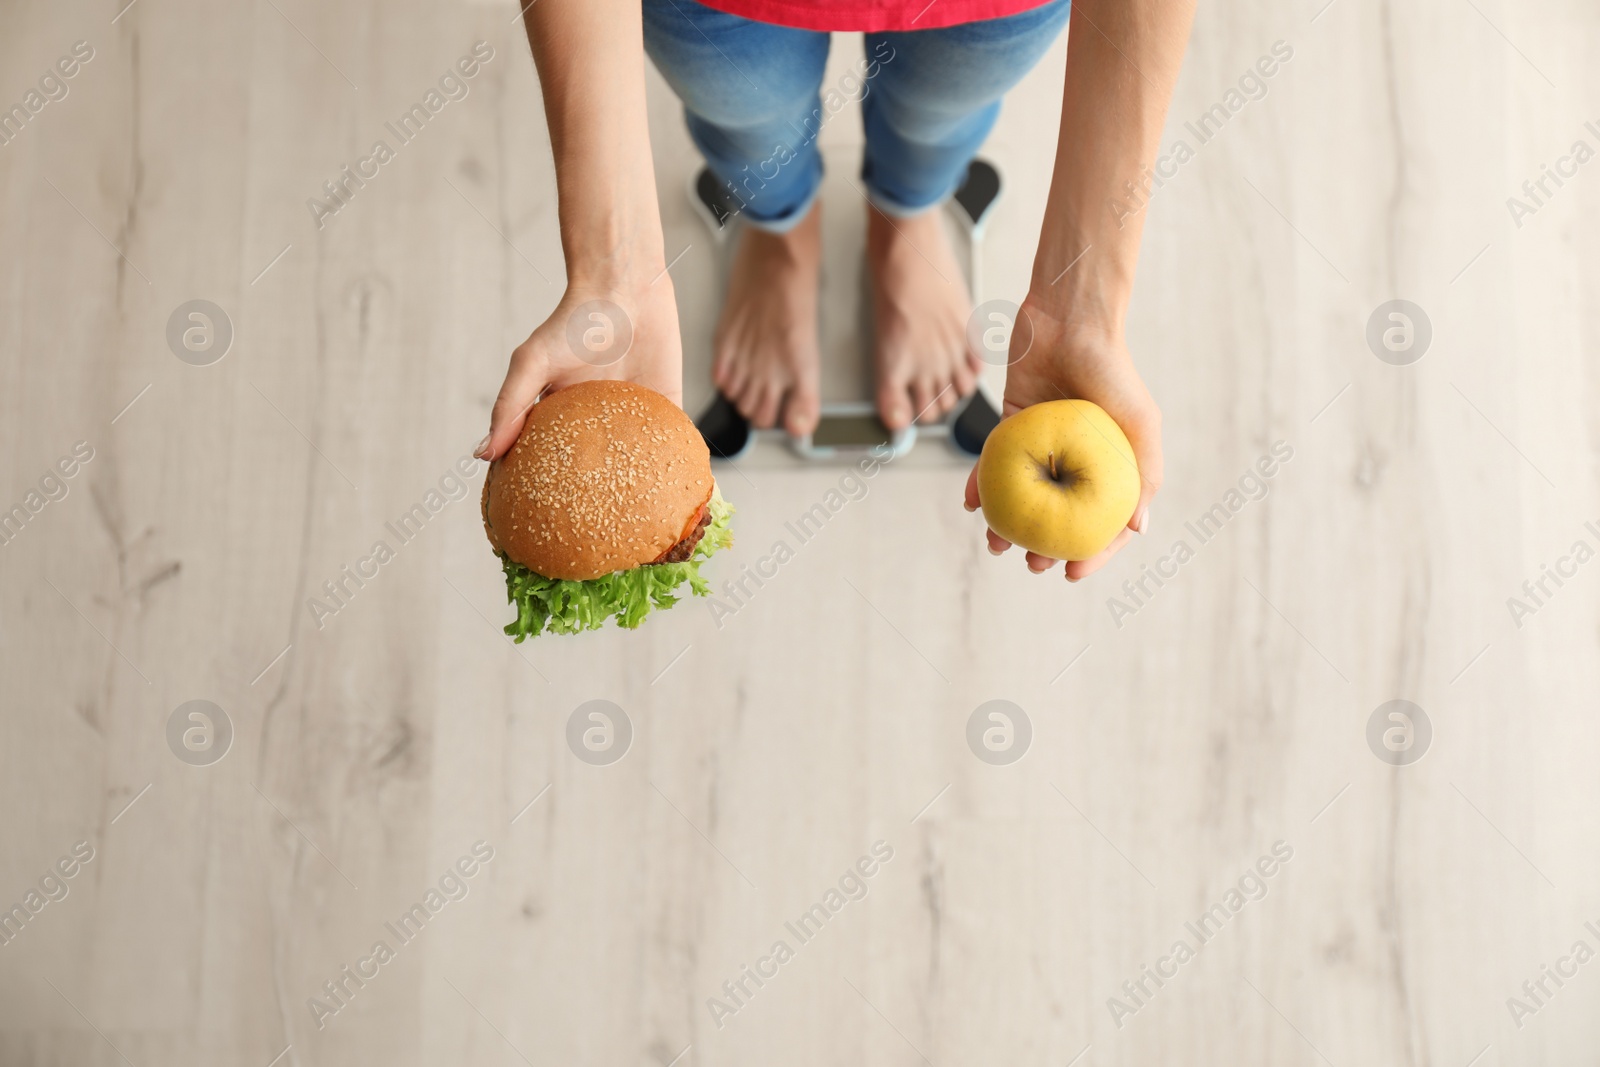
column 753, row 97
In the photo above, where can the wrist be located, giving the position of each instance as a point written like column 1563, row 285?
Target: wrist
column 616, row 245
column 1081, row 281
column 638, row 298
column 627, row 265
column 629, row 275
column 1097, row 309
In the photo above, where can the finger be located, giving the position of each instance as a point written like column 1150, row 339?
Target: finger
column 1140, row 522
column 997, row 544
column 1039, row 564
column 970, row 499
column 1144, row 434
column 1081, row 568
column 525, row 380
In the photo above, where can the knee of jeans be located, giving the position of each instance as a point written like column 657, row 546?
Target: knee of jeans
column 751, row 111
column 920, row 123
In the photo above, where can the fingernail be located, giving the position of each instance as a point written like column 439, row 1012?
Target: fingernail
column 1073, row 580
column 483, row 447
column 1140, row 520
column 993, row 551
column 968, row 506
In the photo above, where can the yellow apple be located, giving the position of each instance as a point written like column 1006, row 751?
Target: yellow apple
column 1059, row 479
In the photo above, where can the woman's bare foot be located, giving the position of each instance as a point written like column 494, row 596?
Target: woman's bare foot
column 766, row 341
column 920, row 306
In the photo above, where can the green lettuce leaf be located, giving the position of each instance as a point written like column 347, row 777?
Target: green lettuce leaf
column 562, row 606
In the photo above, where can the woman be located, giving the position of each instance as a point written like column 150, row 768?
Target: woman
column 748, row 72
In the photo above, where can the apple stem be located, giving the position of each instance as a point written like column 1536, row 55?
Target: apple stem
column 1053, row 475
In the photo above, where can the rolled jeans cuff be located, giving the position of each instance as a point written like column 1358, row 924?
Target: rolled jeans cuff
column 786, row 221
column 895, row 210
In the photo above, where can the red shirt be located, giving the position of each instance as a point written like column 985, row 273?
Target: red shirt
column 871, row 16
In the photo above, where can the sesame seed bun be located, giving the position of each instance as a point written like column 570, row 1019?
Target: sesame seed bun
column 605, row 476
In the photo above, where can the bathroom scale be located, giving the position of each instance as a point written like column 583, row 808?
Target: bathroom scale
column 849, row 427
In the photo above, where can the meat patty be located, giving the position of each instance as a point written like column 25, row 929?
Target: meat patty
column 681, row 551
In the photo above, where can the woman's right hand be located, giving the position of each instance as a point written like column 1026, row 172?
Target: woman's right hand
column 618, row 319
column 596, row 332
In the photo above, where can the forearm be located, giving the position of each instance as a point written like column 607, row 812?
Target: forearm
column 1123, row 59
column 590, row 58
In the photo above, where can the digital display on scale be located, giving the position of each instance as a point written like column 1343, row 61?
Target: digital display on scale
column 850, row 431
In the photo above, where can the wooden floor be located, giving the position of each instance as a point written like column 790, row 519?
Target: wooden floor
column 1174, row 742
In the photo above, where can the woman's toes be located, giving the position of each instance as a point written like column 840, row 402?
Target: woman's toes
column 733, row 380
column 941, row 398
column 766, row 405
column 746, row 398
column 801, row 411
column 750, row 403
column 893, row 407
column 923, row 397
column 965, row 380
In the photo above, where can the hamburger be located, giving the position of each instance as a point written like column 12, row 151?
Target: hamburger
column 603, row 508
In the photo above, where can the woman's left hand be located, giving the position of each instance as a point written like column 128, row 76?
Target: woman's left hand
column 1075, row 361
